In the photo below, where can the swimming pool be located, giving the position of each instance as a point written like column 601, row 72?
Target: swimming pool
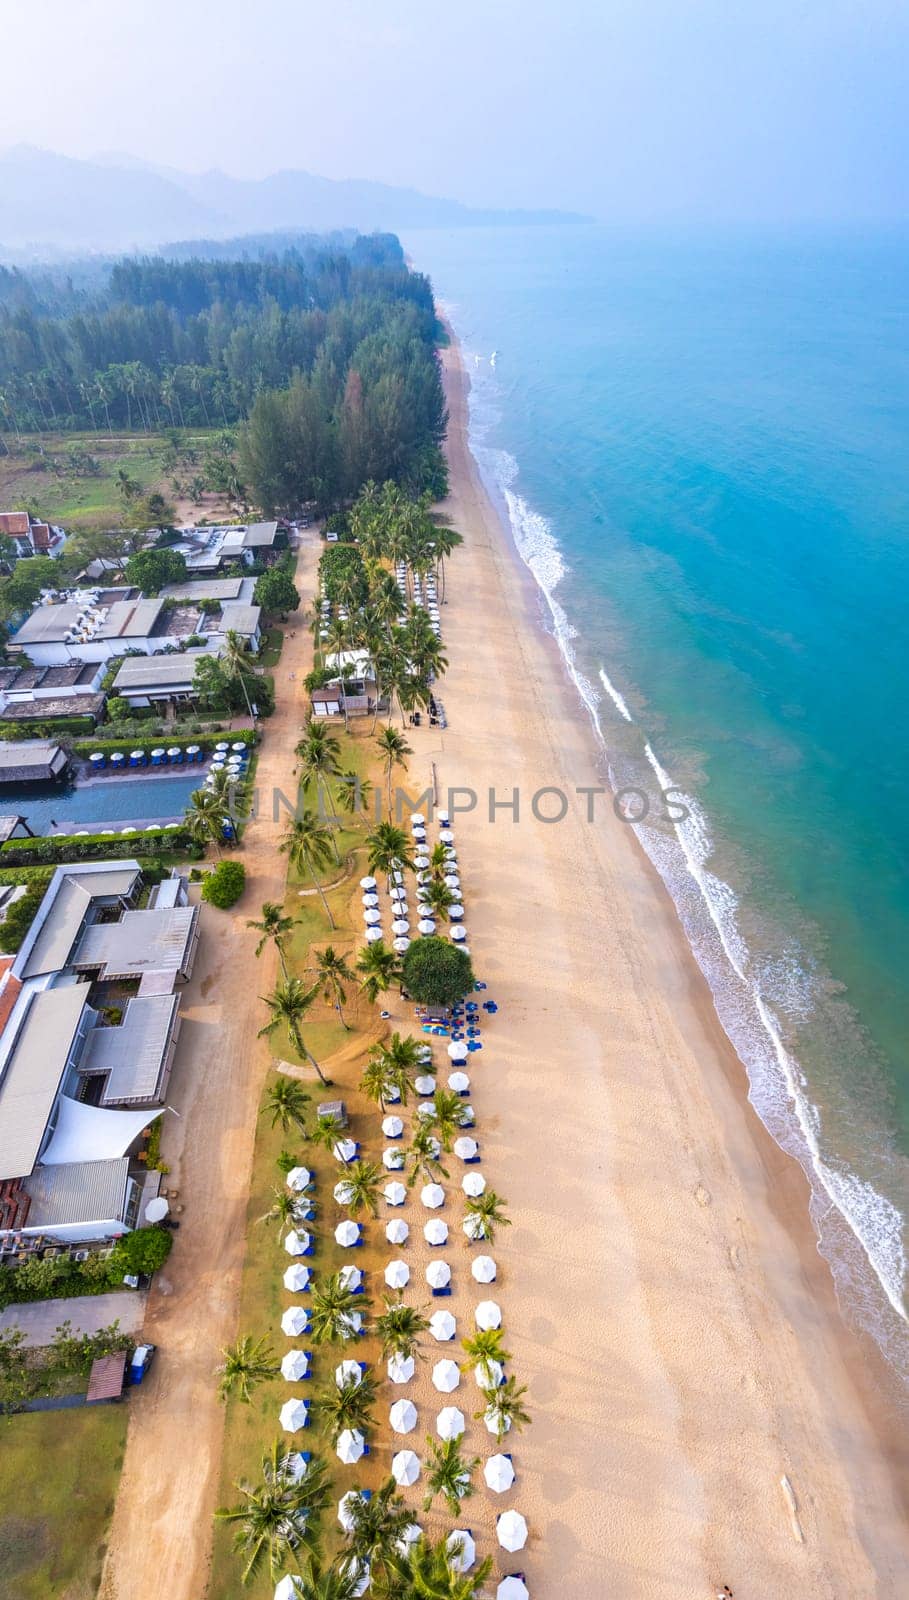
column 103, row 802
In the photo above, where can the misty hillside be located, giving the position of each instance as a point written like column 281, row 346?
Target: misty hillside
column 55, row 202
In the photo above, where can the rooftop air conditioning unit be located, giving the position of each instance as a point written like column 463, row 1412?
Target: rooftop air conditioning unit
column 81, row 1255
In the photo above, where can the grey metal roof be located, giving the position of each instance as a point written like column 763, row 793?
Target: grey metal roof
column 241, row 618
column 17, row 753
column 129, row 619
column 63, row 911
column 205, row 589
column 79, row 1191
column 142, row 941
column 49, row 624
column 259, row 533
column 33, row 1074
column 133, row 1054
column 159, row 672
column 8, row 826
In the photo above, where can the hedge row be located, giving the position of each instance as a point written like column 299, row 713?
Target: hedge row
column 46, row 727
column 94, row 846
column 205, row 741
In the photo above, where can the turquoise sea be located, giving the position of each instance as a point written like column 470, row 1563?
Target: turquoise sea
column 702, row 445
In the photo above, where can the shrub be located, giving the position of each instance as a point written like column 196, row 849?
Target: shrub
column 144, row 1250
column 93, row 846
column 224, row 886
column 19, row 919
column 436, row 973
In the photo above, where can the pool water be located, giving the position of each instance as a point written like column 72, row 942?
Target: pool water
column 104, row 802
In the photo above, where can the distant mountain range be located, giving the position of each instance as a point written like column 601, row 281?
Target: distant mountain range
column 52, row 203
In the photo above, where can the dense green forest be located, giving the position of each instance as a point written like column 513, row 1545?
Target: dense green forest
column 328, row 348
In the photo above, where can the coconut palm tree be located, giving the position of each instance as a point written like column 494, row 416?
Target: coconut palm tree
column 447, row 1119
column 388, row 848
column 445, row 543
column 318, row 753
column 438, row 862
column 376, row 1526
column 394, row 750
column 399, row 1328
column 439, row 897
column 289, row 1003
column 380, row 967
column 246, row 1363
column 346, row 1405
column 424, row 1572
column 308, row 844
column 273, row 925
column 333, row 973
column 354, row 793
column 285, row 1208
column 337, row 641
column 287, row 1100
column 486, row 1214
column 374, row 1084
column 400, row 1060
column 277, row 1516
column 332, row 1308
column 361, row 1180
column 483, row 1347
column 504, row 1409
column 423, row 1157
column 204, row 818
column 448, row 1473
column 337, row 1582
column 236, row 664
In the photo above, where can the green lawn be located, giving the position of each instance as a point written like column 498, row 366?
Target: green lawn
column 58, row 1479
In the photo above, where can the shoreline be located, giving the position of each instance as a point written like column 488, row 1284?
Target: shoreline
column 750, row 1231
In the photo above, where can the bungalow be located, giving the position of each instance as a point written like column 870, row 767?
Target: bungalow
column 329, row 701
column 145, row 679
column 21, row 534
column 83, row 628
column 31, row 761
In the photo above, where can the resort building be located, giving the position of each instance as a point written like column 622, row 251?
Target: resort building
column 30, row 761
column 21, row 534
column 30, row 694
column 96, row 626
column 145, row 679
column 89, row 1022
column 205, row 550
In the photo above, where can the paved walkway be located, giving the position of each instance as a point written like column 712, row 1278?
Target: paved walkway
column 39, row 1319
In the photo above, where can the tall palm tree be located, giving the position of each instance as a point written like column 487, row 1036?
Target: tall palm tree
column 285, row 1208
column 236, row 664
column 399, row 1328
column 388, row 848
column 448, row 1473
column 273, row 925
column 380, row 967
column 318, row 753
column 204, row 818
column 289, row 1003
column 353, row 793
column 504, row 1408
column 399, row 1059
column 445, row 543
column 424, row 1572
column 447, row 1119
column 333, row 972
column 423, row 1157
column 337, row 641
column 287, row 1100
column 332, row 1307
column 361, row 1182
column 308, row 843
column 485, row 1346
column 486, row 1214
column 246, row 1363
column 335, row 1582
column 438, row 862
column 277, row 1516
column 439, row 897
column 376, row 1526
column 394, row 750
column 346, row 1405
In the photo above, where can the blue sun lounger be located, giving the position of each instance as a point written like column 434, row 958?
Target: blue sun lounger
column 439, row 1294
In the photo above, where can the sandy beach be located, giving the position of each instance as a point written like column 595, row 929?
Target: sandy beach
column 701, row 1414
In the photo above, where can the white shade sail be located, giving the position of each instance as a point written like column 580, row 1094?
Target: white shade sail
column 91, row 1133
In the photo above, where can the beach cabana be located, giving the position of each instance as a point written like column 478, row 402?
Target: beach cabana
column 403, row 1416
column 450, row 1423
column 397, row 1231
column 395, row 1194
column 405, row 1468
column 400, row 1368
column 462, row 1550
column 442, row 1326
column 295, row 1365
column 432, row 1196
column 296, row 1278
column 446, row 1376
column 294, row 1415
column 438, row 1274
column 499, row 1473
column 294, row 1321
column 397, row 1274
column 473, row 1184
column 435, row 1231
column 483, row 1269
column 350, row 1446
column 511, row 1530
column 488, row 1315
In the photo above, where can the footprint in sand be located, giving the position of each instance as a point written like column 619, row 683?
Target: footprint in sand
column 702, row 1195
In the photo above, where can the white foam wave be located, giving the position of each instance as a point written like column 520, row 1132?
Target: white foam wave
column 617, row 699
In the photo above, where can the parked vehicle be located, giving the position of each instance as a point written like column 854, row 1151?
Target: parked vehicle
column 140, row 1362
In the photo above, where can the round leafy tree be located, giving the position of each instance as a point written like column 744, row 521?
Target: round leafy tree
column 144, row 1250
column 436, row 973
column 276, row 592
column 225, row 885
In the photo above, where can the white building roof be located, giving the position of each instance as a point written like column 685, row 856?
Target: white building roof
column 33, row 1072
column 142, row 674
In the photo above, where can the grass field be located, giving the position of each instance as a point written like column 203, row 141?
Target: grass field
column 37, row 476
column 58, row 1479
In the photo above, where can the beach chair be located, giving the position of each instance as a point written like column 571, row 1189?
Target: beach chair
column 473, row 1161
column 478, row 987
column 440, row 1294
column 309, row 1251
column 306, row 1419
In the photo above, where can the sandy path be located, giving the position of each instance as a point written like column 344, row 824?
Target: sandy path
column 160, row 1536
column 664, row 1298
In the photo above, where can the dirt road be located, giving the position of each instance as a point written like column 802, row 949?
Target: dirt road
column 160, row 1535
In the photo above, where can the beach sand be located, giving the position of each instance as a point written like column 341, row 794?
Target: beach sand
column 664, row 1299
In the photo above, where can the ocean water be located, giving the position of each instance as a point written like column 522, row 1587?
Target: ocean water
column 701, row 444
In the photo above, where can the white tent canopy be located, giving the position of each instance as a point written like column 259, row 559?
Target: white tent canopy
column 90, row 1133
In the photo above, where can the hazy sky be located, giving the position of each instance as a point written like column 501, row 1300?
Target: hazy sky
column 626, row 108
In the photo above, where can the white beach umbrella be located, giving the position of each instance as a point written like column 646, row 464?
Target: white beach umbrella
column 442, row 1326
column 400, row 927
column 350, row 1446
column 294, row 1321
column 512, row 1588
column 345, row 1505
column 421, row 862
column 424, row 1084
column 157, row 1209
column 409, row 1536
column 438, row 1274
column 359, row 1572
column 288, row 1588
column 401, row 1368
column 432, row 1196
column 373, row 935
column 401, row 945
column 426, row 927
column 371, row 916
column 499, row 1473
column 511, row 1530
column 393, row 1158
column 397, row 1231
column 459, row 1082
column 458, row 1050
column 398, row 892
column 483, row 1269
column 348, row 1372
column 351, row 1322
column 418, row 818
column 455, row 913
column 474, row 1227
column 296, row 1244
column 405, row 1468
column 443, row 818
column 343, row 1192
column 473, row 1184
column 350, row 1277
column 462, row 1550
column 403, row 1416
column 370, row 902
column 397, row 1274
column 392, row 1127
column 367, row 883
column 488, row 1315
column 295, row 1365
column 435, row 1231
column 465, row 1148
column 446, row 1375
column 298, row 1179
column 292, row 1416
column 347, row 1234
column 458, row 933
column 297, row 1277
column 450, row 1423
column 395, row 1194
column 294, row 1465
column 467, row 1117
column 489, row 1375
column 452, row 881
column 344, row 1151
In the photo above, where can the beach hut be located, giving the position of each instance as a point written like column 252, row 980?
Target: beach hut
column 294, row 1415
column 483, row 1270
column 397, row 1274
column 400, row 1368
column 395, row 1193
column 462, row 1550
column 446, row 1376
column 403, row 1416
column 397, row 1231
column 487, row 1315
column 295, row 1365
column 405, row 1468
column 511, row 1530
column 442, row 1326
column 350, row 1446
column 435, row 1231
column 450, row 1423
column 438, row 1274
